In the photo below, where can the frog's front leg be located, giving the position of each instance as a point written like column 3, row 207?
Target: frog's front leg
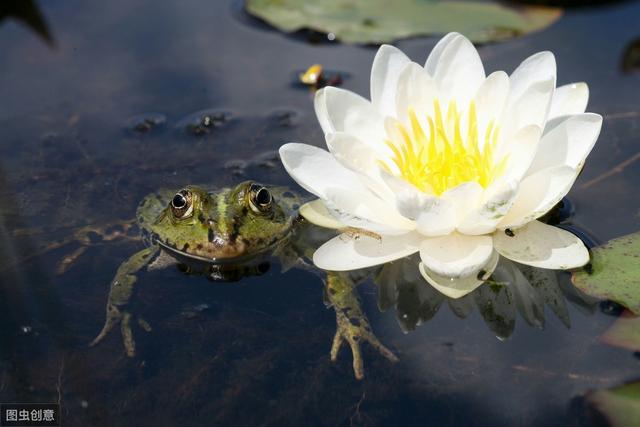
column 119, row 296
column 352, row 324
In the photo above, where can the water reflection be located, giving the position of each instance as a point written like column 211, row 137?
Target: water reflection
column 263, row 342
column 513, row 288
column 27, row 12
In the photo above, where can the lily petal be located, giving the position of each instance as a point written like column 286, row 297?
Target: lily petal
column 539, row 67
column 439, row 216
column 349, row 205
column 340, row 110
column 497, row 201
column 385, row 71
column 352, row 153
column 531, row 88
column 316, row 170
column 537, row 194
column 541, row 245
column 343, row 253
column 569, row 99
column 464, row 198
column 458, row 71
column 531, row 108
column 457, row 288
column 416, row 90
column 358, row 157
column 435, row 216
column 434, row 57
column 491, row 100
column 317, row 213
column 568, row 142
column 320, row 107
column 520, row 151
column 456, row 255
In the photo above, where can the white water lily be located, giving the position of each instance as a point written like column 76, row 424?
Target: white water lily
column 447, row 162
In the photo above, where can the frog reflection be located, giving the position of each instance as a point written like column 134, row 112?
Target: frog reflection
column 226, row 235
column 512, row 288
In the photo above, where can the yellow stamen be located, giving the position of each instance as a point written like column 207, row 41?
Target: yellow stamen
column 442, row 158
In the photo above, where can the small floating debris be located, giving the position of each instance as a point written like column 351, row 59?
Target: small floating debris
column 312, row 76
column 145, row 123
column 316, row 77
column 204, row 122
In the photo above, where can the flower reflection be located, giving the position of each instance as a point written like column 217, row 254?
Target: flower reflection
column 512, row 288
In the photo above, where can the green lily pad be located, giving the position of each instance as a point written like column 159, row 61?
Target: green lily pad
column 614, row 272
column 620, row 405
column 625, row 333
column 380, row 21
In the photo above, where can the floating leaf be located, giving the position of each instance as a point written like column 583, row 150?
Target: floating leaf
column 378, row 21
column 614, row 272
column 620, row 405
column 624, row 333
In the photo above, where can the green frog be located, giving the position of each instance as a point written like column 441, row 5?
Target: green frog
column 228, row 234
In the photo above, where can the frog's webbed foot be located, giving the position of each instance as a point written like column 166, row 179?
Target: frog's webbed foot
column 352, row 324
column 119, row 296
column 355, row 331
column 115, row 316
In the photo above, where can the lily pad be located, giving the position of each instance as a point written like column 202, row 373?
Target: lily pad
column 625, row 333
column 378, row 21
column 614, row 272
column 620, row 405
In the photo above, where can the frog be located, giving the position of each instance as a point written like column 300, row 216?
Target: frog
column 227, row 234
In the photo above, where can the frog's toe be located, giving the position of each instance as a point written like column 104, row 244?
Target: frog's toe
column 113, row 317
column 127, row 335
column 382, row 349
column 354, row 343
column 354, row 336
column 337, row 344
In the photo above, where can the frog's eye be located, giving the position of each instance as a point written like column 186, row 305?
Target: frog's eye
column 260, row 198
column 181, row 205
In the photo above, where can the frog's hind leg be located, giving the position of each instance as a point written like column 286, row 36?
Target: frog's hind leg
column 119, row 295
column 352, row 324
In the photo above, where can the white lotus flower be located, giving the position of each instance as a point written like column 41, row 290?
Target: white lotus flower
column 449, row 163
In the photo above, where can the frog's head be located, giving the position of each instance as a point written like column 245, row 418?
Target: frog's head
column 225, row 226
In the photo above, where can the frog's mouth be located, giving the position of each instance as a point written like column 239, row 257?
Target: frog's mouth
column 229, row 254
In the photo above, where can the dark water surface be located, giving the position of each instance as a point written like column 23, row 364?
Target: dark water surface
column 75, row 152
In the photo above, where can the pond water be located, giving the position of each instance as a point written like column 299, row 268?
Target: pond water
column 106, row 111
